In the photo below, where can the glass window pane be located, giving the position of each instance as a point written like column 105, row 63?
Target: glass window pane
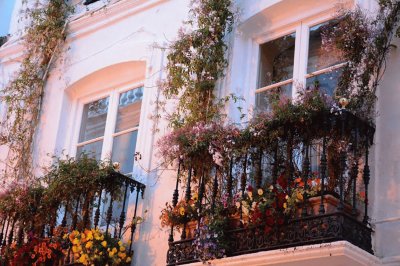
column 318, row 58
column 93, row 120
column 326, row 82
column 276, row 60
column 129, row 106
column 124, row 150
column 263, row 99
column 93, row 149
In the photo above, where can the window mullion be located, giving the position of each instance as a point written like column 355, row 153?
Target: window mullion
column 296, row 65
column 110, row 126
column 303, row 56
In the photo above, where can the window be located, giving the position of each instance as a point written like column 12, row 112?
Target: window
column 280, row 68
column 109, row 127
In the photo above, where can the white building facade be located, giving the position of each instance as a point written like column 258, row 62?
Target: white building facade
column 114, row 56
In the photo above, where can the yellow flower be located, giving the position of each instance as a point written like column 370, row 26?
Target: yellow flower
column 111, row 254
column 75, row 249
column 76, row 241
column 89, row 245
column 299, row 196
column 114, row 250
column 260, row 191
column 285, row 205
column 182, row 211
column 195, row 197
column 89, row 234
column 122, row 248
column 104, row 243
column 122, row 255
column 128, row 259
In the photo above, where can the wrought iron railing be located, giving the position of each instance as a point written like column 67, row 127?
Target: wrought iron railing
column 88, row 211
column 339, row 211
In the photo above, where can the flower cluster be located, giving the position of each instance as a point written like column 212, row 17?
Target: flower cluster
column 94, row 247
column 182, row 213
column 195, row 145
column 207, row 243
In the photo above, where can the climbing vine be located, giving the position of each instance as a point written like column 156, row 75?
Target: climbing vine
column 196, row 61
column 364, row 43
column 23, row 95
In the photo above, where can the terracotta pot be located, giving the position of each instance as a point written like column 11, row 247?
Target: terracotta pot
column 330, row 204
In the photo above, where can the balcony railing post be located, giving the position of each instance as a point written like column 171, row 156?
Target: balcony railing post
column 258, row 177
column 306, row 173
column 20, row 235
column 342, row 157
column 123, row 214
column 289, row 159
column 354, row 171
column 214, row 191
column 243, row 184
column 11, row 234
column 187, row 198
column 175, row 197
column 133, row 225
column 5, row 232
column 366, row 177
column 2, row 229
column 96, row 219
column 64, row 219
column 109, row 213
column 229, row 185
column 75, row 215
column 323, row 169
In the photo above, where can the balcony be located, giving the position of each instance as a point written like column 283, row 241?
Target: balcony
column 48, row 220
column 306, row 185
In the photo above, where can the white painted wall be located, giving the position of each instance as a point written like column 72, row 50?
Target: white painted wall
column 106, row 40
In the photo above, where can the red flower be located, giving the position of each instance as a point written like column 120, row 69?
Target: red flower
column 270, row 221
column 267, row 229
column 250, row 188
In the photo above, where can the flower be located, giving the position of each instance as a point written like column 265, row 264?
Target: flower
column 260, row 191
column 182, row 211
column 104, row 243
column 116, row 166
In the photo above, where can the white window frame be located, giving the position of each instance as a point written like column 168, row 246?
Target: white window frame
column 111, row 119
column 302, row 30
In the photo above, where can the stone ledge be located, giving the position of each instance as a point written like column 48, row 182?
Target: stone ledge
column 340, row 253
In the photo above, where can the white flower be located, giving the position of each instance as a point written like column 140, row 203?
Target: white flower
column 116, row 166
column 260, row 191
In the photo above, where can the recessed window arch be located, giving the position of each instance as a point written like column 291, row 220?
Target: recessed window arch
column 107, row 116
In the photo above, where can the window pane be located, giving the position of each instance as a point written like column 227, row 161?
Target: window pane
column 93, row 149
column 93, row 120
column 129, row 109
column 326, row 82
column 263, row 99
column 124, row 150
column 276, row 60
column 318, row 58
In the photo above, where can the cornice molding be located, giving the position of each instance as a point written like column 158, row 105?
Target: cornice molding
column 107, row 15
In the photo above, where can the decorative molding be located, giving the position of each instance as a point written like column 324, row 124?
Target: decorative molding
column 340, row 251
column 105, row 16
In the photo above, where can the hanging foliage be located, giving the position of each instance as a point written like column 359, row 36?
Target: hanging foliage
column 23, row 95
column 364, row 43
column 196, row 61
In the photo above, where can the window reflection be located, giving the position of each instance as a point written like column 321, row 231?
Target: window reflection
column 93, row 120
column 276, row 60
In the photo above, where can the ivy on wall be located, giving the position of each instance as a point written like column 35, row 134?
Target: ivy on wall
column 196, row 61
column 23, row 95
column 364, row 43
